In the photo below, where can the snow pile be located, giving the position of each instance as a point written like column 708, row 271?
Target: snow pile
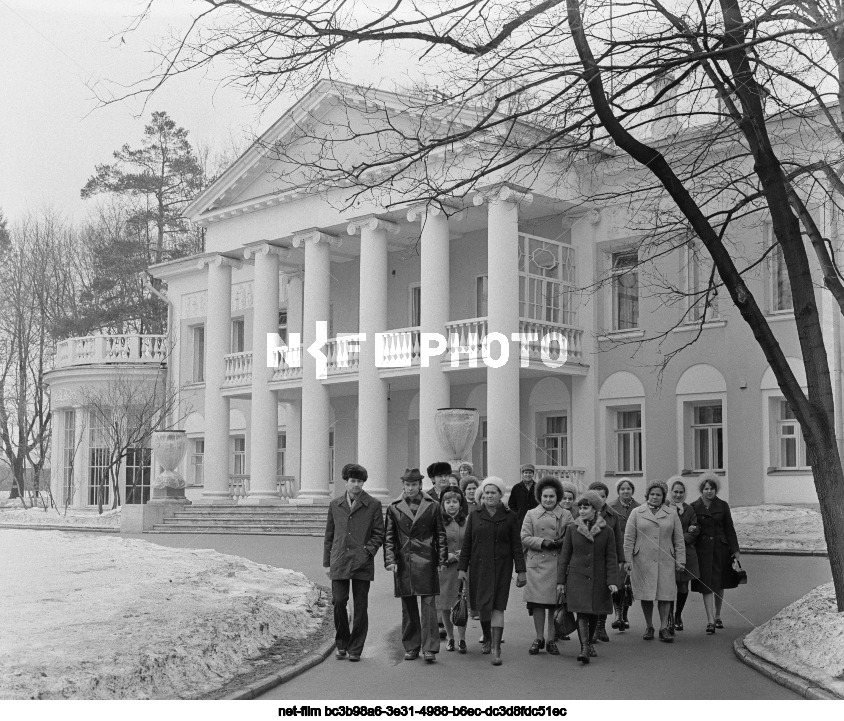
column 806, row 638
column 774, row 527
column 103, row 617
column 18, row 515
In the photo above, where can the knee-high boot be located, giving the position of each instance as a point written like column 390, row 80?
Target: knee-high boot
column 601, row 629
column 486, row 626
column 618, row 622
column 593, row 624
column 624, row 611
column 496, row 645
column 583, row 636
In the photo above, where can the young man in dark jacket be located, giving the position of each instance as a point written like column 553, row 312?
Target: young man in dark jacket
column 353, row 534
column 522, row 497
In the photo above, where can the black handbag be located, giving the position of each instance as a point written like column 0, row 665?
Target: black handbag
column 736, row 575
column 460, row 609
column 627, row 592
column 564, row 621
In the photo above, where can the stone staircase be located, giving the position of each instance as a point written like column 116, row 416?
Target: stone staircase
column 248, row 520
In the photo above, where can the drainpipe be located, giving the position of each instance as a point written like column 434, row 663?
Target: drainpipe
column 152, row 289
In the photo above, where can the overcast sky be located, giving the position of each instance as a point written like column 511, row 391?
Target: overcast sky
column 52, row 130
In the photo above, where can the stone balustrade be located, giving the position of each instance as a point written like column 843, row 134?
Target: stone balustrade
column 98, row 349
column 564, row 473
column 238, row 369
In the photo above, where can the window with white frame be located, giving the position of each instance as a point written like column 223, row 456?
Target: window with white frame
column 482, row 296
column 415, row 305
column 68, row 454
column 239, row 466
column 331, row 454
column 628, row 440
column 625, row 290
column 138, row 472
column 791, row 446
column 282, row 326
column 546, row 280
column 238, row 335
column 99, row 486
column 554, row 443
column 198, row 343
column 702, row 301
column 197, row 462
column 281, row 454
column 779, row 286
column 707, row 432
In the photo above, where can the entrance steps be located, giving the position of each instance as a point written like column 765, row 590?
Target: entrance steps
column 248, row 520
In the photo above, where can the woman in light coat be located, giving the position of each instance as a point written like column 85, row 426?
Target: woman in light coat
column 452, row 509
column 542, row 538
column 653, row 551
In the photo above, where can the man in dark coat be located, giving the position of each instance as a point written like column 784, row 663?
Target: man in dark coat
column 353, row 534
column 439, row 473
column 522, row 496
column 415, row 548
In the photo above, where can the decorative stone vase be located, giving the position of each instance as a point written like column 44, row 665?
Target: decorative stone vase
column 169, row 448
column 457, row 429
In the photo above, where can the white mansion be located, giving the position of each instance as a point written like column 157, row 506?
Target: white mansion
column 508, row 258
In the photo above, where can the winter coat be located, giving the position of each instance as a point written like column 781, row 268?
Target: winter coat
column 688, row 518
column 589, row 567
column 653, row 543
column 417, row 545
column 449, row 583
column 614, row 521
column 622, row 513
column 542, row 563
column 522, row 499
column 716, row 544
column 352, row 538
column 491, row 547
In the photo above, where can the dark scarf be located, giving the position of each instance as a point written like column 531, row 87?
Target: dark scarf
column 414, row 503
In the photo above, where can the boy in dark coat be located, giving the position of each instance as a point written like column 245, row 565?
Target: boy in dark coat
column 439, row 473
column 522, row 496
column 415, row 548
column 353, row 534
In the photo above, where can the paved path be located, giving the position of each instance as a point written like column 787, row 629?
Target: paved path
column 695, row 666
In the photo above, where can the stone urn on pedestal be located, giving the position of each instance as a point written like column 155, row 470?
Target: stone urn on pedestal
column 457, row 429
column 169, row 449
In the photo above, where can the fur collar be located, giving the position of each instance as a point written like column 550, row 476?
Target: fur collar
column 587, row 533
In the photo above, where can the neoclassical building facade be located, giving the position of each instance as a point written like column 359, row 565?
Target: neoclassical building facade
column 523, row 259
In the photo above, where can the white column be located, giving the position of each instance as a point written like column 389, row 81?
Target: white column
column 294, row 302
column 263, row 441
column 313, row 483
column 372, row 390
column 502, row 387
column 434, row 384
column 217, row 336
column 80, row 457
column 294, row 406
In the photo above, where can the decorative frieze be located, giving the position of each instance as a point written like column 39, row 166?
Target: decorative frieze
column 194, row 305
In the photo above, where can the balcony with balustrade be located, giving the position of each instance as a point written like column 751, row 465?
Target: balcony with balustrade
column 128, row 348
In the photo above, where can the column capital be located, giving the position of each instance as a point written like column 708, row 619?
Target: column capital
column 315, row 236
column 219, row 260
column 418, row 212
column 265, row 248
column 372, row 222
column 503, row 192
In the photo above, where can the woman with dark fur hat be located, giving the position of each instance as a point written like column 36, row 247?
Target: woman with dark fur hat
column 439, row 474
column 453, row 510
column 588, row 569
column 614, row 522
column 542, row 538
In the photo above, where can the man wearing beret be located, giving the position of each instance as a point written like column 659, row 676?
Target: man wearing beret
column 522, row 497
column 353, row 534
column 439, row 473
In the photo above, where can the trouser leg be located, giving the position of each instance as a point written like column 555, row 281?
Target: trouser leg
column 340, row 602
column 430, row 631
column 411, row 630
column 360, row 621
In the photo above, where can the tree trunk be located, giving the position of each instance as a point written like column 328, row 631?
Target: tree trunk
column 829, row 480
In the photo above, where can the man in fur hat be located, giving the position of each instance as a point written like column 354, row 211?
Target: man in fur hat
column 439, row 473
column 353, row 534
column 522, row 497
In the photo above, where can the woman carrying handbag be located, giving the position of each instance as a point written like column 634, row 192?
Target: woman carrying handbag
column 452, row 507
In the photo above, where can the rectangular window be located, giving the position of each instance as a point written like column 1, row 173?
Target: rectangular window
column 628, row 441
column 792, row 447
column 281, row 454
column 708, row 438
column 780, row 288
column 99, row 487
column 702, row 301
column 238, row 335
column 138, row 471
column 331, row 454
column 68, row 455
column 482, row 296
column 415, row 305
column 198, row 342
column 484, row 448
column 240, row 455
column 546, row 280
column 554, row 445
column 197, row 462
column 625, row 291
column 282, row 325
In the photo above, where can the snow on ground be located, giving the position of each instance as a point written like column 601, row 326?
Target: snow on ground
column 773, row 527
column 104, row 617
column 806, row 638
column 13, row 512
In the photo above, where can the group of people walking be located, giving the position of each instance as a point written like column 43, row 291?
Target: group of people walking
column 572, row 552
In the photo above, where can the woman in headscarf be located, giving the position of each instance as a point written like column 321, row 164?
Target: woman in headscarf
column 622, row 506
column 691, row 531
column 452, row 508
column 491, row 548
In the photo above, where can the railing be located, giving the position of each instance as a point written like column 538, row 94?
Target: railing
column 343, row 355
column 128, row 348
column 401, row 348
column 466, row 336
column 564, row 473
column 289, row 366
column 286, row 486
column 573, row 336
column 238, row 486
column 238, row 369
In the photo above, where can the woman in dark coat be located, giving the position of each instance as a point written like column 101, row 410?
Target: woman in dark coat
column 614, row 522
column 622, row 506
column 588, row 569
column 491, row 547
column 454, row 519
column 691, row 531
column 716, row 546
